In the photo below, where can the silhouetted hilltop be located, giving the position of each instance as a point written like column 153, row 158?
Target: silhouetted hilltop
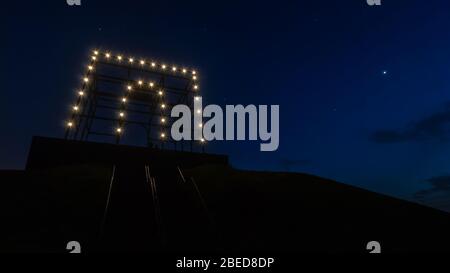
column 300, row 212
column 237, row 211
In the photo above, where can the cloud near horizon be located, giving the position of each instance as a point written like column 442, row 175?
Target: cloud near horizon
column 439, row 184
column 438, row 195
column 433, row 127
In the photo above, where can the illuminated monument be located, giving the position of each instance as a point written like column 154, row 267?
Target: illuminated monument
column 121, row 94
column 125, row 100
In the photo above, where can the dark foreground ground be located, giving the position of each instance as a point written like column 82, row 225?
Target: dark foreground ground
column 209, row 208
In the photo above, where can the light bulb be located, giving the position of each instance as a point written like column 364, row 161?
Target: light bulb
column 160, row 93
column 90, row 67
column 81, row 93
column 140, row 82
column 75, row 108
column 95, row 52
column 153, row 64
column 163, row 105
column 142, row 62
column 163, row 66
column 184, row 70
column 119, row 58
column 108, row 55
column 163, row 120
column 163, row 135
column 118, row 130
column 129, row 87
column 131, row 60
column 69, row 124
column 174, row 69
column 194, row 72
column 121, row 114
column 86, row 79
column 151, row 84
column 124, row 100
column 195, row 87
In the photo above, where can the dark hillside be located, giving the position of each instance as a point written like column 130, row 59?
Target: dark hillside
column 237, row 211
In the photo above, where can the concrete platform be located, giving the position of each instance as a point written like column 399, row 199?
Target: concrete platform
column 52, row 152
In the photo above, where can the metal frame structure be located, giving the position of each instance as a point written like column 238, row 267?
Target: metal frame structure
column 119, row 91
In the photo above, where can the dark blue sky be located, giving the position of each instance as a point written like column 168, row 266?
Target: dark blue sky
column 321, row 61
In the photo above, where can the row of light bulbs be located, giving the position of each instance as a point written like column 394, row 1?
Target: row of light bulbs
column 107, row 55
column 140, row 83
column 129, row 88
column 151, row 84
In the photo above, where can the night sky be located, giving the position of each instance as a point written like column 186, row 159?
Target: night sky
column 364, row 92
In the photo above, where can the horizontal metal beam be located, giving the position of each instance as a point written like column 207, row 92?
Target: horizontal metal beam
column 101, row 134
column 145, row 124
column 129, row 110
